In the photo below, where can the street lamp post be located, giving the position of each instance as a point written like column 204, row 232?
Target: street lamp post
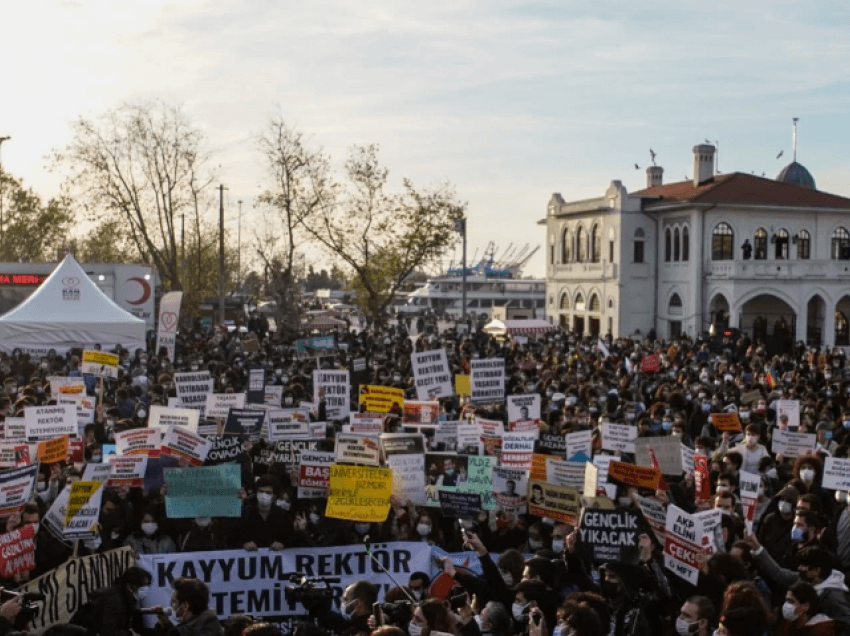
column 2, row 139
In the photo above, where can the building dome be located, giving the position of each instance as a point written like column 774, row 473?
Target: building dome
column 796, row 174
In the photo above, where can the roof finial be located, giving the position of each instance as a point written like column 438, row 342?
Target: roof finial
column 794, row 139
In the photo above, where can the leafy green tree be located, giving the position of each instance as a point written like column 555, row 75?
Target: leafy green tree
column 109, row 242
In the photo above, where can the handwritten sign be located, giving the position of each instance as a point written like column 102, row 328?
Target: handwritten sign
column 359, row 493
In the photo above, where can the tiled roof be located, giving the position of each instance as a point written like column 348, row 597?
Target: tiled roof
column 745, row 189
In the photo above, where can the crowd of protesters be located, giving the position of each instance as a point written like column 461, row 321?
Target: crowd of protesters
column 786, row 577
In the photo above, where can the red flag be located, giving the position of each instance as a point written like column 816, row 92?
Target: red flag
column 653, row 459
column 650, row 364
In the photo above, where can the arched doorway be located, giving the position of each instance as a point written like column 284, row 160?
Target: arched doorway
column 842, row 322
column 578, row 321
column 815, row 319
column 771, row 321
column 718, row 311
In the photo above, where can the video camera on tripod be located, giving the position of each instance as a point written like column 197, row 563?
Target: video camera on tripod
column 310, row 591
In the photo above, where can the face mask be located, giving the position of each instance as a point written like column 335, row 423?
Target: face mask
column 41, row 486
column 414, row 630
column 417, row 595
column 745, row 416
column 478, row 620
column 771, row 472
column 807, row 475
column 827, row 435
column 149, row 528
column 141, row 593
column 517, row 611
column 798, row 535
column 264, row 499
column 535, row 544
column 624, row 501
column 423, row 529
column 706, row 408
column 350, row 608
column 847, row 424
column 841, row 496
column 507, row 577
column 203, row 522
column 666, row 425
column 784, row 507
column 789, row 611
column 284, row 503
column 315, row 518
column 361, row 528
column 142, row 413
column 94, row 543
column 752, row 440
column 610, row 590
column 96, row 459
column 558, row 545
column 684, row 628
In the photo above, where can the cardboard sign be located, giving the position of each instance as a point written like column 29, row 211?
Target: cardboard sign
column 314, row 474
column 702, row 479
column 517, row 449
column 431, row 374
column 256, row 393
column 619, row 438
column 510, row 486
column 359, row 493
column 726, row 422
column 17, row 551
column 748, row 397
column 750, row 485
column 284, row 423
column 247, row 422
column 54, row 450
column 487, row 380
column 421, row 412
column 334, row 387
column 405, row 456
column 138, row 441
column 226, row 449
column 46, row 422
column 554, row 502
column 463, row 386
column 459, row 504
column 16, row 488
column 591, row 479
column 127, row 470
column 579, row 442
column 219, row 404
column 610, row 535
column 551, row 444
column 469, row 473
column 365, row 424
column 83, row 404
column 15, row 429
column 523, row 408
column 168, row 323
column 208, row 491
column 193, row 388
column 789, row 409
column 637, row 476
column 358, row 449
column 182, row 443
column 381, row 399
column 64, row 385
column 163, row 417
column 668, row 452
column 99, row 363
column 686, row 544
column 315, row 346
column 567, row 474
column 655, row 514
column 836, row 473
column 792, row 444
column 54, row 520
column 83, row 510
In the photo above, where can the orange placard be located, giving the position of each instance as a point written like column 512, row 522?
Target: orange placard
column 538, row 467
column 53, row 450
column 73, row 389
column 726, row 422
column 631, row 475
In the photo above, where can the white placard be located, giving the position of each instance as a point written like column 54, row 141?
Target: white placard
column 334, row 387
column 164, row 416
column 46, row 422
column 487, row 380
column 431, row 374
column 619, row 438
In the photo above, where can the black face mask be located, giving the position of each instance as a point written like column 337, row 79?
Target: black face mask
column 610, row 590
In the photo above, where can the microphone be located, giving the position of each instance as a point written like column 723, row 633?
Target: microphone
column 167, row 611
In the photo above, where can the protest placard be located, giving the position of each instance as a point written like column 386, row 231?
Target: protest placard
column 287, row 451
column 15, row 429
column 54, row 519
column 668, row 452
column 487, row 380
column 53, row 450
column 256, row 391
column 358, row 449
column 405, row 456
column 791, row 443
column 247, row 422
column 83, row 405
column 365, row 424
column 421, row 412
column 748, row 397
column 726, row 422
column 207, row 491
column 163, row 417
column 462, row 384
column 182, row 443
column 127, row 470
column 359, row 493
column 83, row 510
column 523, row 408
column 554, row 502
column 836, row 473
column 273, row 395
column 283, row 423
column 619, row 438
column 17, row 551
column 685, row 544
column 789, row 409
column 637, row 476
column 510, row 485
column 74, row 386
column 99, row 363
column 138, row 441
column 749, row 486
column 655, row 514
column 315, row 346
column 192, row 389
column 334, row 387
column 702, row 480
column 551, row 444
column 314, row 474
column 459, row 505
column 517, row 448
column 225, row 449
column 469, row 439
column 218, row 405
column 609, row 535
column 445, row 435
column 431, row 374
column 16, row 488
column 381, row 399
column 46, row 422
column 168, row 322
column 579, row 442
column 7, row 455
column 591, row 480
column 461, row 473
column 567, row 474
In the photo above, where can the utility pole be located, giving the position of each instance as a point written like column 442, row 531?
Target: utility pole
column 183, row 252
column 2, row 139
column 460, row 228
column 239, row 251
column 221, row 190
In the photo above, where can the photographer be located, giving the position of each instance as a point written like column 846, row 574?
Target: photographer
column 8, row 614
column 114, row 610
column 357, row 602
column 190, row 605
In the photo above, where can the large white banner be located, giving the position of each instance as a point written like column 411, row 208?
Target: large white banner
column 169, row 318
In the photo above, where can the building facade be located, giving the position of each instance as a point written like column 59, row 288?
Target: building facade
column 768, row 257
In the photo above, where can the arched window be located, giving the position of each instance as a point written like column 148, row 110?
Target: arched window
column 595, row 244
column 842, row 330
column 686, row 244
column 580, row 239
column 760, row 245
column 565, row 301
column 804, row 242
column 579, row 303
column 667, row 245
column 674, row 308
column 781, row 251
column 722, row 240
column 565, row 246
column 637, row 255
column 676, row 245
column 840, row 245
column 594, row 303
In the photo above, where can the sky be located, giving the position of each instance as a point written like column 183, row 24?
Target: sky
column 509, row 101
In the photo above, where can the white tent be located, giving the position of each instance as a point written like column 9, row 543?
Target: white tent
column 68, row 310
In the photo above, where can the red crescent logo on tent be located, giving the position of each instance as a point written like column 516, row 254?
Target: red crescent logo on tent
column 71, row 281
column 146, row 291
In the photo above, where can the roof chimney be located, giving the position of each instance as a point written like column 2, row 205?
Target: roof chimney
column 703, row 163
column 653, row 176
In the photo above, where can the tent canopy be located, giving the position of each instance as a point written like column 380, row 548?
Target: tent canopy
column 68, row 310
column 517, row 327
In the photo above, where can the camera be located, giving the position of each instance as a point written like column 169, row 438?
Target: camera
column 310, row 591
column 29, row 606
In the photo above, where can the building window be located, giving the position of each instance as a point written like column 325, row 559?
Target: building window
column 676, row 246
column 637, row 257
column 667, row 246
column 565, row 246
column 565, row 301
column 840, row 245
column 594, row 303
column 722, row 239
column 842, row 330
column 674, row 308
column 803, row 241
column 781, row 251
column 686, row 244
column 610, row 251
column 580, row 244
column 579, row 304
column 760, row 245
column 595, row 244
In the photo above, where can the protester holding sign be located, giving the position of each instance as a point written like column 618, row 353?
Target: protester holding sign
column 265, row 525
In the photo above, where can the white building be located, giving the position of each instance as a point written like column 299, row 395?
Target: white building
column 672, row 257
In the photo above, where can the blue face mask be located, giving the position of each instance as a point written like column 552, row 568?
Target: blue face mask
column 666, row 425
column 828, row 435
column 798, row 535
column 706, row 408
column 847, row 424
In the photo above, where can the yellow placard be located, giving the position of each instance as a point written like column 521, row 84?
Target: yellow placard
column 100, row 357
column 360, row 493
column 54, row 450
column 380, row 399
column 79, row 496
column 462, row 385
